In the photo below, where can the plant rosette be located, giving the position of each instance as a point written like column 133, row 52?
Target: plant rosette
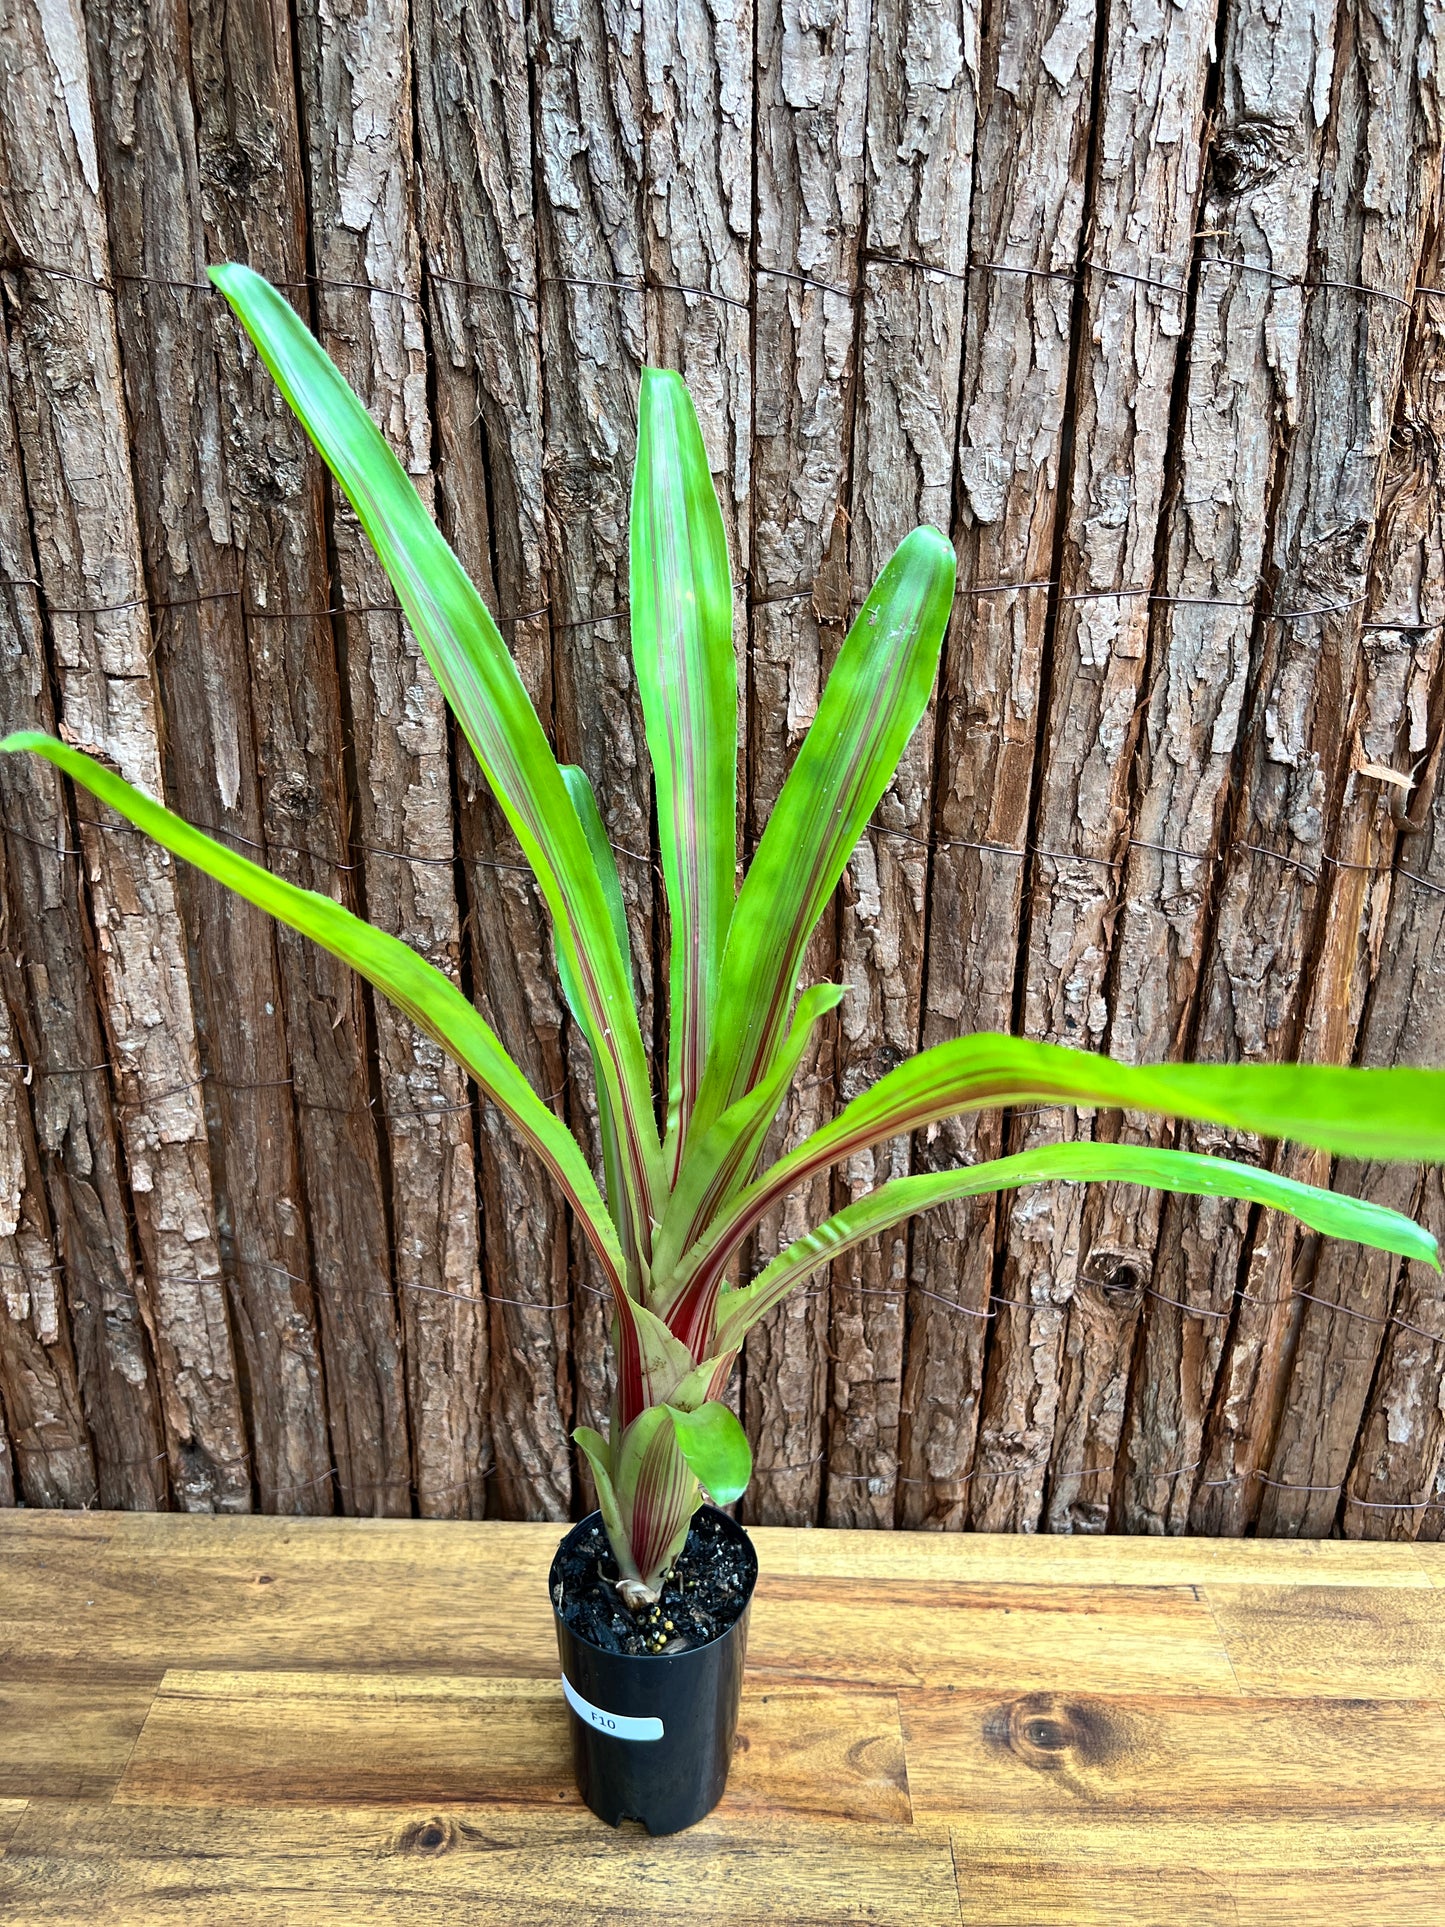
column 682, row 1185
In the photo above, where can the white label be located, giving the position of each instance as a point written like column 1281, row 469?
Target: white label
column 619, row 1725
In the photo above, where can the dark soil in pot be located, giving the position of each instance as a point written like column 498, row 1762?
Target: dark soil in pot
column 706, row 1591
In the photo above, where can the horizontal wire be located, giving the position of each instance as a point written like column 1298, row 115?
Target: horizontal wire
column 642, row 284
column 1017, row 852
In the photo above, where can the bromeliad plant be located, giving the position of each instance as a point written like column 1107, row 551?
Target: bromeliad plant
column 681, row 1200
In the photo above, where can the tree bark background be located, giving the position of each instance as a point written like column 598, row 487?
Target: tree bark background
column 1140, row 302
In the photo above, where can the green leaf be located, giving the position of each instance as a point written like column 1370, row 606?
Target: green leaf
column 1326, row 1211
column 682, row 647
column 480, row 681
column 717, row 1449
column 590, row 817
column 874, row 698
column 1354, row 1113
column 714, row 1169
column 584, row 801
column 429, row 998
column 600, row 1459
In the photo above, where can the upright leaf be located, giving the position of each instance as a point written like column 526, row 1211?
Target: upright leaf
column 579, row 788
column 682, row 647
column 877, row 692
column 724, row 1158
column 480, row 681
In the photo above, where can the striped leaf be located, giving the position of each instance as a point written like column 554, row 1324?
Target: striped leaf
column 584, row 800
column 874, row 698
column 682, row 648
column 890, row 1204
column 657, row 1492
column 481, row 683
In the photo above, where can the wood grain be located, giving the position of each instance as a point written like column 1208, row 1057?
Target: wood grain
column 1078, row 1761
column 1341, row 1643
column 1117, row 1877
column 150, row 1867
column 260, row 1739
column 228, row 1718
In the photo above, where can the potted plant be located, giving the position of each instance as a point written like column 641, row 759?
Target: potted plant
column 651, row 1593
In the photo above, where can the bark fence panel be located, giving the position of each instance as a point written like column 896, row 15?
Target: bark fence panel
column 1137, row 305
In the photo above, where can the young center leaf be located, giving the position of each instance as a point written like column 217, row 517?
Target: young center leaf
column 682, row 649
column 717, row 1449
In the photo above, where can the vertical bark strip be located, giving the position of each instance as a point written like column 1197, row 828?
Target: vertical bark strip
column 1380, row 173
column 588, row 132
column 1336, row 1353
column 922, row 102
column 47, row 982
column 39, row 1386
column 72, row 427
column 810, row 106
column 1028, row 211
column 475, row 149
column 1239, row 406
column 356, row 87
column 1394, row 1487
column 148, row 148
column 1154, row 65
column 243, row 81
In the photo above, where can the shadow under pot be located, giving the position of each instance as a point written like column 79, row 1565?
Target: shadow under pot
column 653, row 1729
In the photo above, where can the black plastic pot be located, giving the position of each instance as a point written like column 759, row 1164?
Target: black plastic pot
column 652, row 1736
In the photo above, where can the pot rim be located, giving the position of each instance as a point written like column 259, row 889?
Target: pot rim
column 673, row 1659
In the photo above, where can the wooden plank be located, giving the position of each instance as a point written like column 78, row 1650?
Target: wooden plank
column 146, row 131
column 40, row 1400
column 583, row 65
column 475, row 177
column 921, row 113
column 260, row 1739
column 10, row 1813
column 157, row 1867
column 1335, row 1642
column 1336, row 1354
column 811, row 94
column 241, row 75
column 1078, row 1761
column 989, row 1558
column 53, row 1005
column 1238, row 397
column 67, row 1545
column 908, row 1633
column 1242, row 1875
column 69, row 1738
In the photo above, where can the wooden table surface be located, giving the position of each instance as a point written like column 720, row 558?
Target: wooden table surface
column 254, row 1720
